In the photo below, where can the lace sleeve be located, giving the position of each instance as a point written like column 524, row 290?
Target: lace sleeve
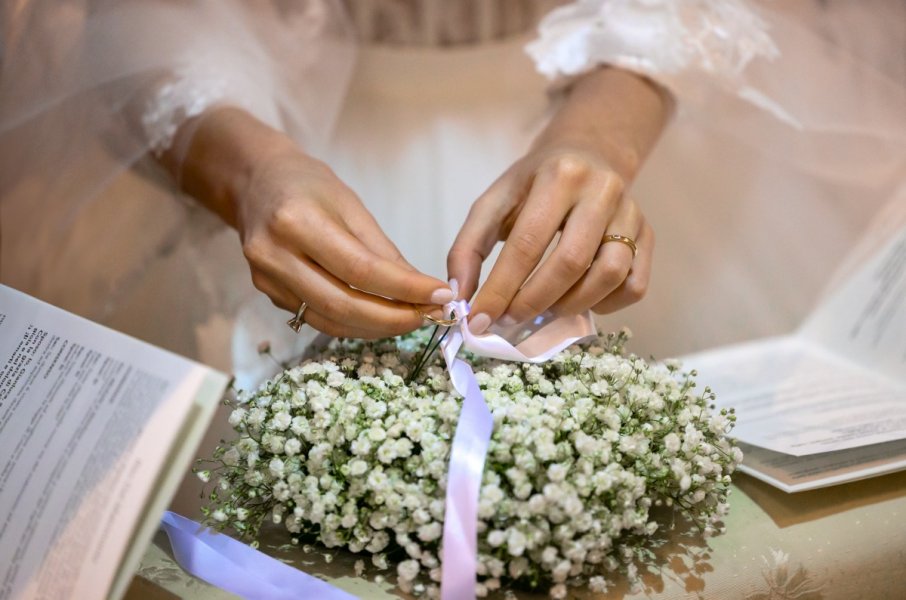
column 131, row 71
column 264, row 59
column 191, row 89
column 666, row 40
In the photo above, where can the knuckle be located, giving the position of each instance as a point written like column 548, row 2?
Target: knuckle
column 635, row 290
column 600, row 309
column 527, row 245
column 259, row 280
column 458, row 254
column 255, row 250
column 360, row 270
column 341, row 309
column 612, row 184
column 570, row 169
column 613, row 271
column 525, row 309
column 492, row 301
column 574, row 260
column 283, row 219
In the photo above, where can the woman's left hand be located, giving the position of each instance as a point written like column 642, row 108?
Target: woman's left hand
column 572, row 181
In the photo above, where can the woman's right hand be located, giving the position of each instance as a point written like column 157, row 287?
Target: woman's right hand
column 306, row 235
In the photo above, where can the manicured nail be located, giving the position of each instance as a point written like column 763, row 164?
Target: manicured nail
column 442, row 296
column 479, row 323
column 454, row 285
column 506, row 321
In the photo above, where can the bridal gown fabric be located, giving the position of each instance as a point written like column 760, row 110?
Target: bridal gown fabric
column 756, row 191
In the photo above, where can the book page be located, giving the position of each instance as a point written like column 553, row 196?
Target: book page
column 864, row 318
column 801, row 473
column 88, row 418
column 794, row 397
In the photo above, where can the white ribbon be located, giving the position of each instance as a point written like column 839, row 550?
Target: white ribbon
column 473, row 432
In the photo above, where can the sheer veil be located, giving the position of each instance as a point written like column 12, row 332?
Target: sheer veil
column 89, row 88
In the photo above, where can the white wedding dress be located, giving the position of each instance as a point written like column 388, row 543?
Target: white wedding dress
column 789, row 136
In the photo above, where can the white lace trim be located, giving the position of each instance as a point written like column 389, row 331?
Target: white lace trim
column 657, row 38
column 193, row 87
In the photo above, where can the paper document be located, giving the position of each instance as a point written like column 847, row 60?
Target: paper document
column 795, row 397
column 827, row 404
column 88, row 418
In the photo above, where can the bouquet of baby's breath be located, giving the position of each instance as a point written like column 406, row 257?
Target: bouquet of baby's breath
column 344, row 449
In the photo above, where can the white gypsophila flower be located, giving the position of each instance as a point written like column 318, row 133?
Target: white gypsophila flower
column 515, row 542
column 275, row 443
column 579, row 452
column 275, row 467
column 379, row 561
column 557, row 472
column 408, row 569
column 429, row 532
column 255, row 417
column 237, row 416
column 292, row 447
column 358, row 467
column 232, row 457
column 281, row 421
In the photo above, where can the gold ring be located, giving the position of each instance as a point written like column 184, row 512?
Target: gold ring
column 435, row 320
column 615, row 237
column 298, row 321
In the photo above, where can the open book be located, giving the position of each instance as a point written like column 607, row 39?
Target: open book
column 827, row 404
column 96, row 431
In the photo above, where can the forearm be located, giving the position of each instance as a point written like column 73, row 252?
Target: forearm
column 213, row 157
column 612, row 112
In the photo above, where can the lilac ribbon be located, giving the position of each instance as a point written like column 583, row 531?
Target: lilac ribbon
column 238, row 568
column 473, row 432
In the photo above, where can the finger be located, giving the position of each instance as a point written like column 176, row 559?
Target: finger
column 283, row 298
column 569, row 262
column 611, row 265
column 479, row 234
column 635, row 286
column 346, row 258
column 538, row 222
column 335, row 299
column 366, row 229
column 551, row 197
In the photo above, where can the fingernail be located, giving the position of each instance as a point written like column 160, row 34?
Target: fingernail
column 479, row 323
column 454, row 285
column 506, row 321
column 442, row 296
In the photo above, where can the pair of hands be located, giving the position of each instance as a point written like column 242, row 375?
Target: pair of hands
column 307, row 236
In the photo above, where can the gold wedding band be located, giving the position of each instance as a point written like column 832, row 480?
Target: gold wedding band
column 615, row 237
column 435, row 320
column 298, row 321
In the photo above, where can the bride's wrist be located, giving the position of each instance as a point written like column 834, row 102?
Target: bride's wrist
column 225, row 148
column 612, row 113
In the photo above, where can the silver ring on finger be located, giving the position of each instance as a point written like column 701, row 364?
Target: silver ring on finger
column 298, row 320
